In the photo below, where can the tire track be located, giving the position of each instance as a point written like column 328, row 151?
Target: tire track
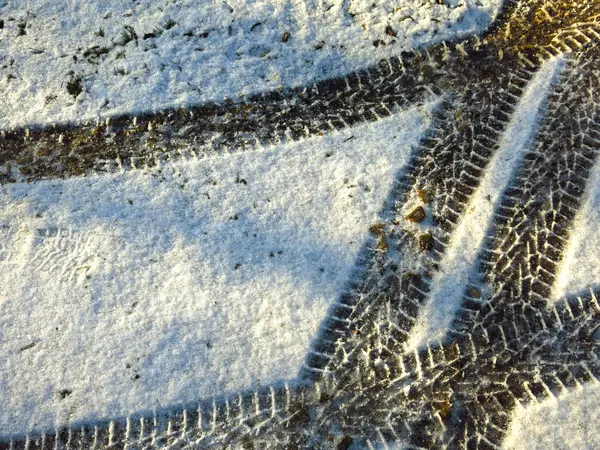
column 443, row 169
column 423, row 210
column 447, row 396
column 145, row 141
column 467, row 239
column 522, row 256
column 125, row 142
column 468, row 402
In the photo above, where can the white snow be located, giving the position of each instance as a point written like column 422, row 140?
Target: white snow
column 242, row 53
column 581, row 267
column 569, row 421
column 123, row 289
column 203, row 278
column 461, row 255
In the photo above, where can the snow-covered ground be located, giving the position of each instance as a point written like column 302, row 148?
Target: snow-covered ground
column 569, row 422
column 139, row 290
column 582, row 262
column 126, row 292
column 192, row 51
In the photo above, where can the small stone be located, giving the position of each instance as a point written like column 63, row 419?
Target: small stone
column 426, row 242
column 344, row 443
column 65, row 393
column 474, row 292
column 382, row 244
column 417, row 215
column 424, row 195
column 428, row 71
column 44, row 151
column 444, row 409
column 377, row 228
column 302, row 416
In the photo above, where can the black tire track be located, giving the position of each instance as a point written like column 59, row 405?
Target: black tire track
column 468, row 401
column 552, row 346
column 534, row 220
column 446, row 168
column 126, row 142
column 451, row 396
column 139, row 142
column 445, row 172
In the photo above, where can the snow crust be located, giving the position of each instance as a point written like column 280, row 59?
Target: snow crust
column 569, row 421
column 132, row 291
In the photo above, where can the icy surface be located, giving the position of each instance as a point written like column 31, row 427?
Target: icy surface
column 138, row 290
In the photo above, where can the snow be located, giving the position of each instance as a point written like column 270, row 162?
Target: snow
column 460, row 258
column 581, row 267
column 569, row 421
column 133, row 291
column 214, row 49
column 139, row 290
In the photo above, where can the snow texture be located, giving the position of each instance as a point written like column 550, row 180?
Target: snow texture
column 133, row 291
column 582, row 263
column 188, row 52
column 127, row 292
column 569, row 421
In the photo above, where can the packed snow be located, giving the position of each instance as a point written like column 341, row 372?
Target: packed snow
column 569, row 421
column 582, row 262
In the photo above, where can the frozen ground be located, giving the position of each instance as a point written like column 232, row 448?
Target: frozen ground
column 132, row 291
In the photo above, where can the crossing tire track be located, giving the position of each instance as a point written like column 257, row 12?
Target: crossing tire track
column 511, row 348
column 439, row 181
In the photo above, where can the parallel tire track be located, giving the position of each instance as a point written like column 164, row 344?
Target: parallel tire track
column 522, row 256
column 444, row 172
column 508, row 346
